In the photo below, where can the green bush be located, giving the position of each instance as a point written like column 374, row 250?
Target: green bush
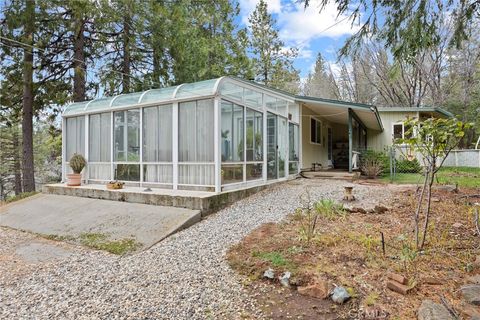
column 408, row 166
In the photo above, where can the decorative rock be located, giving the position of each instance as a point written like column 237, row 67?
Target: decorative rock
column 430, row 310
column 359, row 210
column 474, row 279
column 397, row 277
column 471, row 293
column 397, row 287
column 340, row 295
column 269, row 274
column 380, row 209
column 457, row 225
column 285, row 279
column 319, row 290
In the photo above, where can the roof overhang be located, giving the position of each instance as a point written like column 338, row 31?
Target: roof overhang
column 337, row 111
column 433, row 111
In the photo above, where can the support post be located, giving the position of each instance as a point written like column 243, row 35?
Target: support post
column 87, row 139
column 264, row 141
column 217, row 144
column 141, row 147
column 175, row 146
column 112, row 148
column 64, row 149
column 350, row 140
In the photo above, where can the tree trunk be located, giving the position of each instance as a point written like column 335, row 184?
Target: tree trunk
column 126, row 52
column 27, row 102
column 79, row 66
column 16, row 163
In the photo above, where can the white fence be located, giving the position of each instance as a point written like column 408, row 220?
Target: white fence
column 463, row 158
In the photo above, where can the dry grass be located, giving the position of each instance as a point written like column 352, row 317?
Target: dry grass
column 348, row 251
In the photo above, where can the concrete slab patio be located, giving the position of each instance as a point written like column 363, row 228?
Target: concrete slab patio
column 72, row 217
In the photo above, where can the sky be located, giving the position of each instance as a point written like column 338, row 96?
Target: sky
column 307, row 29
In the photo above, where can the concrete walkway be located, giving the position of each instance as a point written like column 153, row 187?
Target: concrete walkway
column 67, row 216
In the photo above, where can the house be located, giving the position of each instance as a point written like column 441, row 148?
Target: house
column 222, row 134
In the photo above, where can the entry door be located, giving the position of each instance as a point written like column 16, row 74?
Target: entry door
column 330, row 146
column 272, row 147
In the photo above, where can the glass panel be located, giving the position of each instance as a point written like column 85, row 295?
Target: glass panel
column 232, row 173
column 270, row 102
column 162, row 173
column 157, row 95
column 238, row 123
column 231, row 90
column 157, row 134
column 99, row 171
column 75, row 107
column 196, row 174
column 75, row 136
column 294, row 112
column 282, row 146
column 253, row 98
column 196, row 89
column 127, row 172
column 126, row 99
column 282, row 107
column 254, row 132
column 254, row 171
column 271, row 146
column 101, row 103
column 293, row 142
column 127, row 135
column 99, row 133
column 227, row 130
column 293, row 167
column 196, row 132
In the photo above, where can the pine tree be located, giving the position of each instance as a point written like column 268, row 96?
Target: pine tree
column 273, row 64
column 321, row 82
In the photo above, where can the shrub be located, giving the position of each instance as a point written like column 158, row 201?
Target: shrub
column 409, row 166
column 372, row 168
column 77, row 163
column 379, row 159
column 329, row 209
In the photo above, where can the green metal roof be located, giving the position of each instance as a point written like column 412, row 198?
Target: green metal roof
column 438, row 110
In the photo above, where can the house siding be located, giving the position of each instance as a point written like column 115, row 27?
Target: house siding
column 378, row 140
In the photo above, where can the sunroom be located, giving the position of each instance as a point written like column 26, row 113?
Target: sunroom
column 214, row 135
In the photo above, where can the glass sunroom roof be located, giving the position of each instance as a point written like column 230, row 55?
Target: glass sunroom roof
column 187, row 90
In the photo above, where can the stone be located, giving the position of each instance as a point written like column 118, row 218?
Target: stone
column 359, row 210
column 474, row 279
column 471, row 293
column 457, row 225
column 476, row 264
column 285, row 279
column 435, row 199
column 319, row 290
column 430, row 310
column 472, row 312
column 397, row 287
column 269, row 274
column 397, row 277
column 340, row 295
column 380, row 209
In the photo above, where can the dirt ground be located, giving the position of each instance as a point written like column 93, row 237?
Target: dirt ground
column 347, row 251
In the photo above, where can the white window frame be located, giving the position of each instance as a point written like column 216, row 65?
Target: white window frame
column 317, row 120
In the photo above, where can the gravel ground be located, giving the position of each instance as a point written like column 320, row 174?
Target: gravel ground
column 183, row 277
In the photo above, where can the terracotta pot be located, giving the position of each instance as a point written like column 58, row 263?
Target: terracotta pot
column 74, row 179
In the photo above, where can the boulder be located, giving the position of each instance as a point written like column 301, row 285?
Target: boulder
column 340, row 295
column 430, row 310
column 319, row 290
column 471, row 293
column 397, row 277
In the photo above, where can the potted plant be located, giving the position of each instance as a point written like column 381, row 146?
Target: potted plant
column 77, row 163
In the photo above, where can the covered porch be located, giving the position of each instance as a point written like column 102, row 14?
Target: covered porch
column 334, row 133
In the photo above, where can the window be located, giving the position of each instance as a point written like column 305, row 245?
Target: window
column 400, row 131
column 157, row 134
column 232, row 132
column 75, row 136
column 195, row 131
column 127, row 135
column 293, row 148
column 99, row 133
column 315, row 131
column 254, row 132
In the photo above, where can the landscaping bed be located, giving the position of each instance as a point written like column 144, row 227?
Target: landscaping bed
column 346, row 250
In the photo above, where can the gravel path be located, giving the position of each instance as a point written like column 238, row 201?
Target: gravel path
column 183, row 277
